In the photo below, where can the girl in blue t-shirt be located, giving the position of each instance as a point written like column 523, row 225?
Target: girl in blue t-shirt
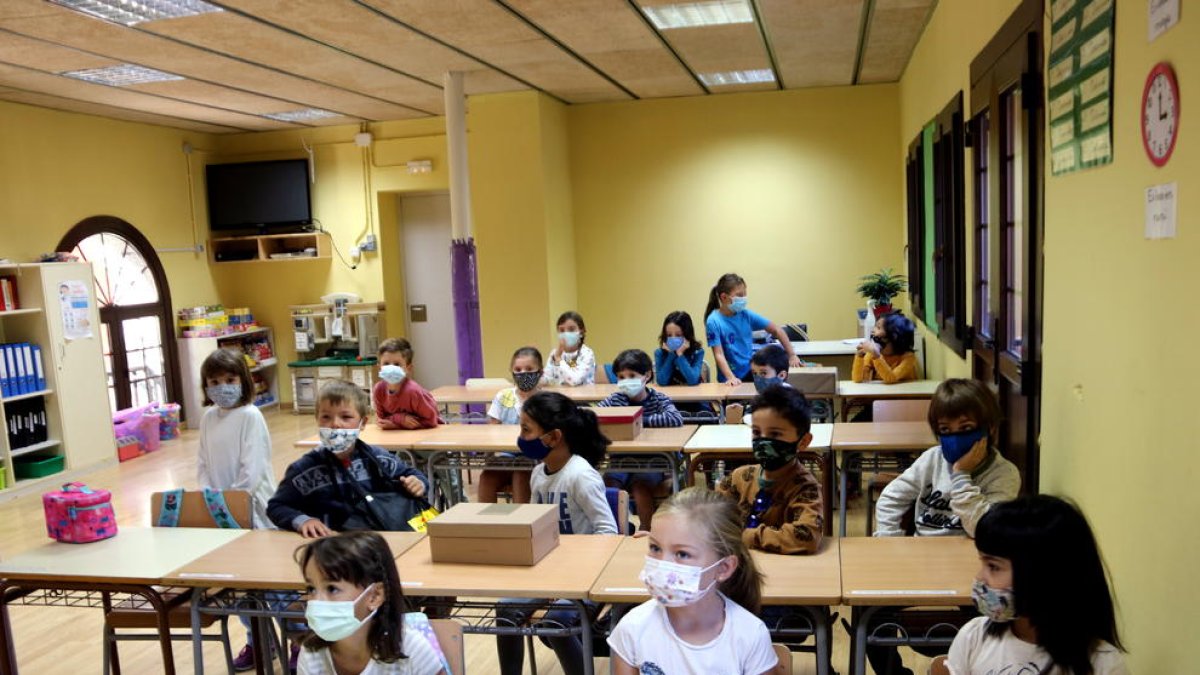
column 730, row 327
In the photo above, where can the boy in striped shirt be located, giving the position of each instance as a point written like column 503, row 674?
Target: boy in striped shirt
column 634, row 371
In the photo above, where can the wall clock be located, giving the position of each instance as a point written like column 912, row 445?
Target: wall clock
column 1160, row 114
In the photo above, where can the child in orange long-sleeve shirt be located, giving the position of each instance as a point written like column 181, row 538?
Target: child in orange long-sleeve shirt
column 888, row 355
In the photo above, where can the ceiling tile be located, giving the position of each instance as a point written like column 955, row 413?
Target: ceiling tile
column 88, row 108
column 250, row 40
column 348, row 25
column 815, row 42
column 128, row 97
column 133, row 46
column 896, row 26
column 491, row 33
column 615, row 39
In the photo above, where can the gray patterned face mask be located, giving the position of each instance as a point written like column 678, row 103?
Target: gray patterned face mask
column 224, row 395
column 527, row 381
column 338, row 440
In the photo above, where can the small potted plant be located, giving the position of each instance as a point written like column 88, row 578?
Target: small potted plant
column 881, row 287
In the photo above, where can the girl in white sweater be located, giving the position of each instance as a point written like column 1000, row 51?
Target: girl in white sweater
column 235, row 446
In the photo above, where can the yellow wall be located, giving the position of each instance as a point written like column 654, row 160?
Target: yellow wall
column 522, row 215
column 938, row 70
column 795, row 190
column 1117, row 420
column 339, row 203
column 57, row 168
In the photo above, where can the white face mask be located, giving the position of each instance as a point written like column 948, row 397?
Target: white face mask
column 338, row 440
column 392, row 374
column 675, row 585
column 334, row 620
column 632, row 387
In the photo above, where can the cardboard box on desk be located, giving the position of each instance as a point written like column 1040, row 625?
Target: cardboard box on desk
column 494, row 534
column 620, row 423
column 814, row 381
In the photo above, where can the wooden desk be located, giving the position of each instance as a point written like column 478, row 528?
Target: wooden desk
column 262, row 560
column 731, row 442
column 810, row 583
column 457, row 394
column 853, row 438
column 700, row 393
column 849, row 391
column 566, row 573
column 399, row 441
column 658, row 444
column 898, row 572
column 131, row 563
column 818, row 348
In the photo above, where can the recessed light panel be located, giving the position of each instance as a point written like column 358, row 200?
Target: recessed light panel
column 693, row 14
column 123, row 75
column 737, row 77
column 132, row 12
column 306, row 115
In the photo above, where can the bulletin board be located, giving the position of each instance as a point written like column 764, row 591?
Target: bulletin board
column 1079, row 84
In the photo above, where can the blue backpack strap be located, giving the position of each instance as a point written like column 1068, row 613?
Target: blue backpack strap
column 168, row 512
column 219, row 510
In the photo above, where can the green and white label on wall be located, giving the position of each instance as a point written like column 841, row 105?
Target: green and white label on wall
column 1079, row 84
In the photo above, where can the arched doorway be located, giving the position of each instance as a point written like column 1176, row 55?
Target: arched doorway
column 135, row 310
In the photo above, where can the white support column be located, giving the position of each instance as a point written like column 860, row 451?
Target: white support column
column 456, row 141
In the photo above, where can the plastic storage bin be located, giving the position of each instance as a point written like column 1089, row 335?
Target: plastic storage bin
column 37, row 467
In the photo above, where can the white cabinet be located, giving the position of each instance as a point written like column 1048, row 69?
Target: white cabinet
column 78, row 421
column 258, row 343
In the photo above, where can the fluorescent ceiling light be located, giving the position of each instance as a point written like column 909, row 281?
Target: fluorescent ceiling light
column 692, row 14
column 122, row 75
column 131, row 12
column 737, row 77
column 306, row 115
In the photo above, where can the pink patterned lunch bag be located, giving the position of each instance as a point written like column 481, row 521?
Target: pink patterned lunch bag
column 78, row 514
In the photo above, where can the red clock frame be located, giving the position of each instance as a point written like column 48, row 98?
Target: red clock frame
column 1164, row 69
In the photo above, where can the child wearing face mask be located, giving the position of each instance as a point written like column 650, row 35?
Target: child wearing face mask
column 571, row 363
column 778, row 498
column 705, row 593
column 526, row 366
column 730, row 327
column 566, row 439
column 769, row 366
column 235, row 447
column 315, row 497
column 633, row 370
column 401, row 403
column 680, row 359
column 951, row 485
column 1044, row 595
column 355, row 612
column 888, row 356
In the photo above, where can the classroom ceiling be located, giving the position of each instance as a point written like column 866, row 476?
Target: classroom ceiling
column 256, row 65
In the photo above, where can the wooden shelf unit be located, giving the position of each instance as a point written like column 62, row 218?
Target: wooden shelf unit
column 84, row 436
column 193, row 351
column 261, row 248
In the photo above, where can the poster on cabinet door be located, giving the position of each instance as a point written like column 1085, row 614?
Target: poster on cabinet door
column 73, row 298
column 1079, row 84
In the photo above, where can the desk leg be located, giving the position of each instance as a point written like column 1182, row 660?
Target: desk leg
column 429, row 473
column 164, row 628
column 674, row 464
column 858, row 657
column 585, row 625
column 8, row 651
column 197, row 638
column 827, row 486
column 262, row 644
column 820, row 622
column 842, row 494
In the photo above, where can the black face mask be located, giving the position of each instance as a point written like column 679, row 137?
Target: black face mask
column 881, row 341
column 773, row 453
column 527, row 381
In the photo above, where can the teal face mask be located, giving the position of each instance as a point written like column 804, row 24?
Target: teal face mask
column 632, row 387
column 334, row 620
column 738, row 303
column 569, row 338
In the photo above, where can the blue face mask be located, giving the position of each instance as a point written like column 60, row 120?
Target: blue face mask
column 534, row 449
column 631, row 386
column 761, row 382
column 954, row 446
column 674, row 343
column 224, row 395
column 570, row 338
column 392, row 374
column 737, row 303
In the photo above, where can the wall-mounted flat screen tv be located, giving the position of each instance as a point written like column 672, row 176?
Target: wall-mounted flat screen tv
column 259, row 196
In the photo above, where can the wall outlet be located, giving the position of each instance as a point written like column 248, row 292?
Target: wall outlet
column 369, row 244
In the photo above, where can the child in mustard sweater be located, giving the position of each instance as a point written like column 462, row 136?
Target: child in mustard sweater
column 888, row 356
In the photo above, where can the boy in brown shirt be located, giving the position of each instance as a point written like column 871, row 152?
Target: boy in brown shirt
column 779, row 498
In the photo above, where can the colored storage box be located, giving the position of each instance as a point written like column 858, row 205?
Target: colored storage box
column 128, row 447
column 37, row 467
